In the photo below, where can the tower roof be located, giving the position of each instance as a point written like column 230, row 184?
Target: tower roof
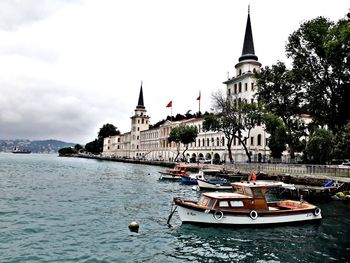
column 140, row 104
column 248, row 45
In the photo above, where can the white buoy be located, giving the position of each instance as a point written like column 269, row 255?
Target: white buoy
column 134, row 226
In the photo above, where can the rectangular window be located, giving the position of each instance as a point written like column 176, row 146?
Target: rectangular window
column 246, row 86
column 223, row 204
column 236, row 203
column 251, row 140
column 252, row 86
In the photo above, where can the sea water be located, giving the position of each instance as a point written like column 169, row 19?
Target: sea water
column 55, row 209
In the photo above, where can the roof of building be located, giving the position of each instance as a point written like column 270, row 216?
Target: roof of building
column 140, row 103
column 248, row 45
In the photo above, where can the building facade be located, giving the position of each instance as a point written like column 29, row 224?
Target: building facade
column 152, row 144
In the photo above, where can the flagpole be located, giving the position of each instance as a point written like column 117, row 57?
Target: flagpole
column 199, row 103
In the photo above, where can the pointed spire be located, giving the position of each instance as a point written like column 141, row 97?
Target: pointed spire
column 248, row 45
column 140, row 103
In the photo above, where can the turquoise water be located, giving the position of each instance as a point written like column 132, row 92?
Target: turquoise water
column 77, row 210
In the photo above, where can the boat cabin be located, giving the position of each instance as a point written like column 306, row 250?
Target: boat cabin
column 247, row 196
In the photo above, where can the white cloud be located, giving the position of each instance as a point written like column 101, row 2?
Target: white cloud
column 68, row 67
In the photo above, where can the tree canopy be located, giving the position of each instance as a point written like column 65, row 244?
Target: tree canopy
column 184, row 134
column 319, row 147
column 234, row 119
column 280, row 91
column 320, row 51
column 96, row 146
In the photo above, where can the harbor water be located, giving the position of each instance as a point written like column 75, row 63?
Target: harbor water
column 55, row 209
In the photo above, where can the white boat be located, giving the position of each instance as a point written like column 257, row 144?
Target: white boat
column 246, row 206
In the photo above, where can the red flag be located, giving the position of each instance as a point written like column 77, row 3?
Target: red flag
column 199, row 97
column 170, row 104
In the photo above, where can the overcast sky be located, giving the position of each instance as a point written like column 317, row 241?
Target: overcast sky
column 69, row 66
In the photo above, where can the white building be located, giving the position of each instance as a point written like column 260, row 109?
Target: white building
column 152, row 144
column 242, row 88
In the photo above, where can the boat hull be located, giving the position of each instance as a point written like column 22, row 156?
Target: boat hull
column 188, row 180
column 209, row 217
column 169, row 177
column 207, row 185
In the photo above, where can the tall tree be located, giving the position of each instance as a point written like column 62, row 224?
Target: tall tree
column 278, row 135
column 235, row 120
column 320, row 50
column 341, row 143
column 184, row 134
column 280, row 91
column 96, row 146
column 319, row 146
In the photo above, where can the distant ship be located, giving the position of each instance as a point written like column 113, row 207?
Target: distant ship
column 17, row 150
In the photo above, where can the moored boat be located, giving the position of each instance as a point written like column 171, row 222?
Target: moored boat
column 246, row 206
column 17, row 150
column 174, row 174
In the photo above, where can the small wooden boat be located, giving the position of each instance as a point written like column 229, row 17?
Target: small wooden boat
column 174, row 174
column 246, row 206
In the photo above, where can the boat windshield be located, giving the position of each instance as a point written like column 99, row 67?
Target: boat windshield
column 203, row 201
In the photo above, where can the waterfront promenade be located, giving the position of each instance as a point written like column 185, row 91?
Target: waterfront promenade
column 317, row 173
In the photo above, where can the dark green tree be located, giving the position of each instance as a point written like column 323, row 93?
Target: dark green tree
column 78, row 147
column 278, row 135
column 235, row 120
column 66, row 151
column 280, row 91
column 319, row 146
column 320, row 50
column 341, row 143
column 96, row 146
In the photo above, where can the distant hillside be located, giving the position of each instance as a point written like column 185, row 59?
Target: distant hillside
column 44, row 146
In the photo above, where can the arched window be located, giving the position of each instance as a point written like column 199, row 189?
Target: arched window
column 217, row 141
column 199, row 142
column 223, row 141
column 259, row 139
column 208, row 143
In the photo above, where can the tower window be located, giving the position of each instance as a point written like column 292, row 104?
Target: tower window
column 240, row 87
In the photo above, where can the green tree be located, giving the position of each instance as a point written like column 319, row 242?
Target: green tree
column 174, row 136
column 278, row 135
column 66, row 151
column 320, row 50
column 235, row 120
column 78, row 147
column 280, row 91
column 184, row 134
column 319, row 146
column 96, row 146
column 341, row 143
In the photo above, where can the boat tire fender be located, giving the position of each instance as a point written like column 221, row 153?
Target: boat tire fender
column 317, row 211
column 218, row 215
column 253, row 214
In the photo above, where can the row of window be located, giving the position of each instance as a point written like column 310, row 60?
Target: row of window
column 238, row 88
column 204, row 142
